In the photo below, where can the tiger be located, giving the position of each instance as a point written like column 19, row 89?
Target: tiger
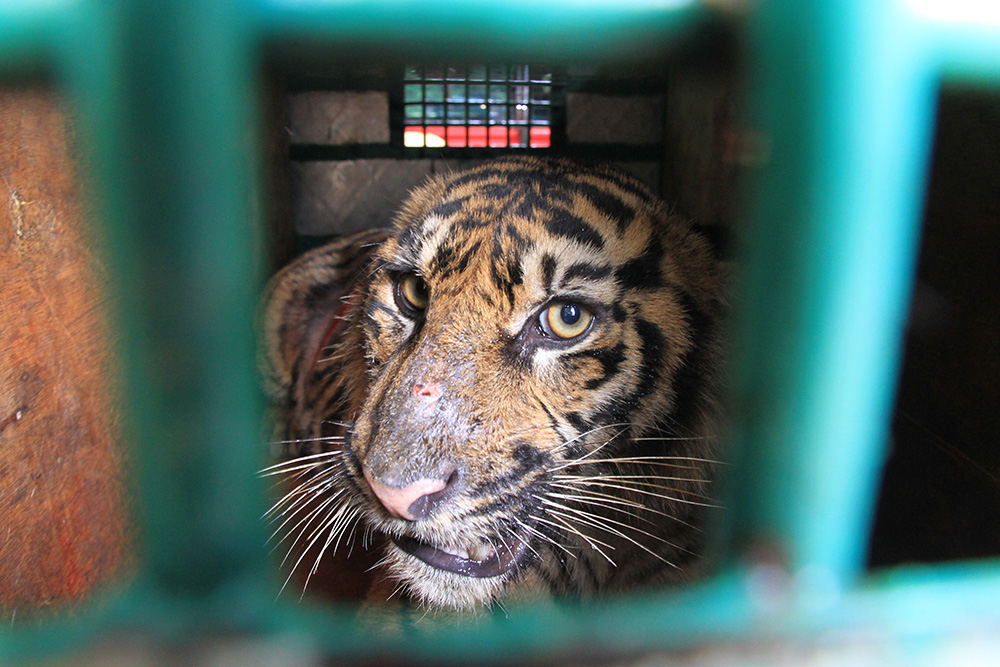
column 513, row 389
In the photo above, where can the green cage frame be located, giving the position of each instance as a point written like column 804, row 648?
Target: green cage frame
column 842, row 93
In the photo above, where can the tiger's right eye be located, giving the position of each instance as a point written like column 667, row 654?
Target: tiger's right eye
column 411, row 294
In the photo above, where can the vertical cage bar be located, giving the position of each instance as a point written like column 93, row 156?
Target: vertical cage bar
column 844, row 104
column 26, row 30
column 963, row 36
column 165, row 90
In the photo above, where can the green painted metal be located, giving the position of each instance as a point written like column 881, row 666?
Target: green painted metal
column 834, row 220
column 894, row 611
column 842, row 96
column 26, row 30
column 171, row 108
column 554, row 31
column 960, row 37
column 171, row 134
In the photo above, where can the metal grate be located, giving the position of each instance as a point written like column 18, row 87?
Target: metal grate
column 478, row 105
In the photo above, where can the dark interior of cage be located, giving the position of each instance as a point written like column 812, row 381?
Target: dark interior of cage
column 358, row 138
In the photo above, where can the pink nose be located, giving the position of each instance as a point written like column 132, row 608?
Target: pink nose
column 403, row 503
column 429, row 392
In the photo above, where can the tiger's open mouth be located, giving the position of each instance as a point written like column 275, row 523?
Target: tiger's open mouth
column 476, row 562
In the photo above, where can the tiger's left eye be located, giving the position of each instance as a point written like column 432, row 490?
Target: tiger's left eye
column 565, row 320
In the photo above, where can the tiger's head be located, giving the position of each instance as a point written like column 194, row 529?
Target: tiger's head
column 515, row 385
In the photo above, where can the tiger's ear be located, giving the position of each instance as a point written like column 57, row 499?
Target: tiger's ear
column 302, row 302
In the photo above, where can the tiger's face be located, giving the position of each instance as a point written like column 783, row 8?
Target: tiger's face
column 538, row 349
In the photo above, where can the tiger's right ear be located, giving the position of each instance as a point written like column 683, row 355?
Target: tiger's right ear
column 303, row 300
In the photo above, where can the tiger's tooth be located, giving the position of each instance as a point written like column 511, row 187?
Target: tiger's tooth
column 480, row 552
column 461, row 553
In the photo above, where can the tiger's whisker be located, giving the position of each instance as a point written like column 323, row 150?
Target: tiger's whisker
column 336, row 529
column 598, row 499
column 301, row 493
column 592, row 452
column 658, row 495
column 311, row 457
column 601, row 478
column 647, row 460
column 593, row 542
column 567, row 443
column 311, row 542
column 289, row 501
column 382, row 562
column 296, row 441
column 544, row 537
column 601, row 523
column 291, row 469
column 331, row 526
column 395, row 591
column 292, row 570
column 311, row 514
column 636, row 483
column 610, row 503
column 299, row 529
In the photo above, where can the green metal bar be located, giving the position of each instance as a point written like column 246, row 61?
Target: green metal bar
column 844, row 103
column 922, row 607
column 26, row 29
column 166, row 90
column 962, row 37
column 556, row 30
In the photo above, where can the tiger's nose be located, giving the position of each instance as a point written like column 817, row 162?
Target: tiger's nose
column 415, row 501
column 429, row 391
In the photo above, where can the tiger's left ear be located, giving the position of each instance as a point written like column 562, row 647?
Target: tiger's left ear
column 302, row 302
